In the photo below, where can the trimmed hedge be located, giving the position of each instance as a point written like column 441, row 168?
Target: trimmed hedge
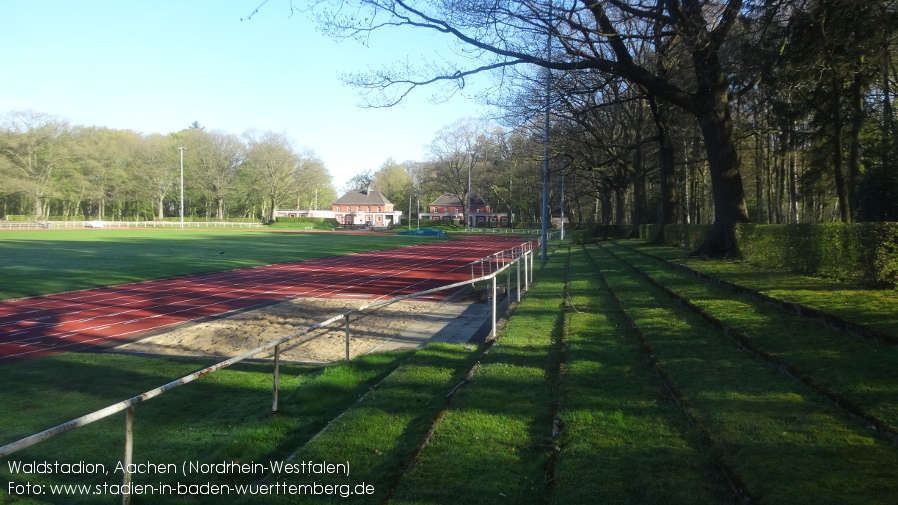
column 866, row 252
column 857, row 251
column 688, row 236
column 299, row 223
column 601, row 232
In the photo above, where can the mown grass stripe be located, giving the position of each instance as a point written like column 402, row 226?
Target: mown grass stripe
column 859, row 381
column 826, row 318
column 379, row 435
column 492, row 445
column 788, row 444
column 870, row 308
column 624, row 439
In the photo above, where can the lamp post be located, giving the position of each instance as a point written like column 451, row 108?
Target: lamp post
column 545, row 215
column 468, row 223
column 182, row 186
column 562, row 205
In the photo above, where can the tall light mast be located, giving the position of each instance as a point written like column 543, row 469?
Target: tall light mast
column 182, row 186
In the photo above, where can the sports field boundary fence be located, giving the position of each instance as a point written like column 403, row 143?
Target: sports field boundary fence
column 35, row 225
column 485, row 269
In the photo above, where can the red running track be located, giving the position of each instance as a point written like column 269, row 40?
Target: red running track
column 80, row 320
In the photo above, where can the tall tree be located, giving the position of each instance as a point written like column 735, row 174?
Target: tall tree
column 104, row 159
column 157, row 169
column 34, row 145
column 314, row 188
column 273, row 161
column 394, row 182
column 457, row 153
column 217, row 157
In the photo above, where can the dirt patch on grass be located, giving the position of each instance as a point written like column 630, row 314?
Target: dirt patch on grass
column 236, row 334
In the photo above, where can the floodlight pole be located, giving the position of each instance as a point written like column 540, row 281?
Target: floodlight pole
column 468, row 221
column 182, row 186
column 545, row 224
column 562, row 205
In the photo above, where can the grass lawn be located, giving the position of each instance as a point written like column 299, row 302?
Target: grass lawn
column 222, row 417
column 39, row 262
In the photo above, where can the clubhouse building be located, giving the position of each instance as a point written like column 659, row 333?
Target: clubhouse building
column 450, row 208
column 365, row 207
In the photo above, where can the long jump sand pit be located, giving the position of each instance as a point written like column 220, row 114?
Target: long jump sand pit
column 386, row 327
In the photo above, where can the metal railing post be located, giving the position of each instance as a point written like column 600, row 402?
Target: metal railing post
column 518, row 284
column 276, row 378
column 507, row 291
column 129, row 454
column 531, row 269
column 346, row 318
column 526, row 271
column 494, row 315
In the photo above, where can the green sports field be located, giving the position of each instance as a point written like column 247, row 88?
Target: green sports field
column 38, row 262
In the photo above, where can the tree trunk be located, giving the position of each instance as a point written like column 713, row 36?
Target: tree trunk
column 888, row 117
column 668, row 186
column 727, row 193
column 793, row 183
column 620, row 207
column 639, row 194
column 38, row 208
column 271, row 211
column 841, row 193
column 607, row 214
column 854, row 149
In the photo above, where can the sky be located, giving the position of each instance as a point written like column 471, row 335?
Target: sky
column 157, row 66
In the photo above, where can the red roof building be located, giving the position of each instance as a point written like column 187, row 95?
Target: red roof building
column 450, row 208
column 367, row 208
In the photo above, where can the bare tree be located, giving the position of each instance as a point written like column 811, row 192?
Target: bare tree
column 361, row 180
column 587, row 35
column 458, row 152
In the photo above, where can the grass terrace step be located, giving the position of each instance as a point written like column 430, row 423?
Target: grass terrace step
column 788, row 444
column 492, row 445
column 624, row 439
column 377, row 437
column 860, row 371
column 872, row 308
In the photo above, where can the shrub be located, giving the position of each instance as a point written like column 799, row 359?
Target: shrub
column 865, row 252
column 318, row 223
